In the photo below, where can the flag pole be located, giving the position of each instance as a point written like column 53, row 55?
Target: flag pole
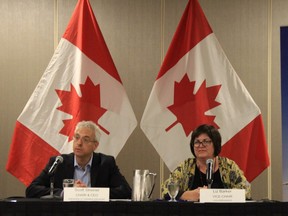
column 162, row 23
column 56, row 23
column 269, row 58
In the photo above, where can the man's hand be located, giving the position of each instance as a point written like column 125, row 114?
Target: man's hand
column 79, row 183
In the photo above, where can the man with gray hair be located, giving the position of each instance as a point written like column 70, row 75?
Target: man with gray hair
column 87, row 168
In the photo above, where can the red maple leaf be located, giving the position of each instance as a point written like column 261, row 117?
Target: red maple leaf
column 189, row 108
column 86, row 108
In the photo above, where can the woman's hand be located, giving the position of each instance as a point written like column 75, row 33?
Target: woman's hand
column 192, row 195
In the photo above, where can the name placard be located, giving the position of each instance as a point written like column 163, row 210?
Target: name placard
column 222, row 195
column 85, row 194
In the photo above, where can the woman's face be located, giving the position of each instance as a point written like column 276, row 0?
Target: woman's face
column 203, row 147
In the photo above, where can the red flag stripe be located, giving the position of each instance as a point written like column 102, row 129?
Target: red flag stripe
column 82, row 34
column 28, row 154
column 247, row 150
column 193, row 28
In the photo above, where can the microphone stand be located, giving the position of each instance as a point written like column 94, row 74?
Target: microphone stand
column 209, row 172
column 209, row 184
column 51, row 195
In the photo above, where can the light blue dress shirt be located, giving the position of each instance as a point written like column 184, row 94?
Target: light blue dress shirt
column 83, row 174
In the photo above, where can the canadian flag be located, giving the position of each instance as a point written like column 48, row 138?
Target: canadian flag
column 80, row 83
column 196, row 85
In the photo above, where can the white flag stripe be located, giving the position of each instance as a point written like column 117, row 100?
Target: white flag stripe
column 70, row 66
column 206, row 61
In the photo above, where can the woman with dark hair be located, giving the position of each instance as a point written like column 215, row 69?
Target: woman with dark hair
column 191, row 174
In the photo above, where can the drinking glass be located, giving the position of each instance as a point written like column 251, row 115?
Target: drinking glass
column 173, row 189
column 68, row 183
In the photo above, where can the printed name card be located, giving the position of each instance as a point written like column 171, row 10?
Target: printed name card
column 85, row 194
column 222, row 195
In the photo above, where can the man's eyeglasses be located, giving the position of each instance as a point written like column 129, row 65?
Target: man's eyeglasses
column 84, row 139
column 197, row 143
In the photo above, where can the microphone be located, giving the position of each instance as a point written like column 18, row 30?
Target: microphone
column 209, row 172
column 58, row 160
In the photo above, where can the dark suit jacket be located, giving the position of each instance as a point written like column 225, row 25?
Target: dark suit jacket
column 104, row 173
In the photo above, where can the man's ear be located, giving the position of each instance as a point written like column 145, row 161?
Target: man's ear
column 96, row 145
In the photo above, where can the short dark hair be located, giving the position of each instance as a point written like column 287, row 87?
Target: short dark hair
column 213, row 134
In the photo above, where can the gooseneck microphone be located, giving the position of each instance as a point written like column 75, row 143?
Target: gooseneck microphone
column 58, row 160
column 209, row 172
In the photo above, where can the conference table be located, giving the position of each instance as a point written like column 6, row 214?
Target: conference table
column 40, row 207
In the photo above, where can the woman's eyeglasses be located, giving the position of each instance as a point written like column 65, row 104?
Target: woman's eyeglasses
column 197, row 143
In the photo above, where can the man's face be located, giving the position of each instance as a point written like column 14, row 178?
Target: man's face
column 84, row 142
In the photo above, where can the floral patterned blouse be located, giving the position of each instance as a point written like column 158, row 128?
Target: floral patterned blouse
column 231, row 175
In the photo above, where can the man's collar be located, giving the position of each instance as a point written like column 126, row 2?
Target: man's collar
column 88, row 164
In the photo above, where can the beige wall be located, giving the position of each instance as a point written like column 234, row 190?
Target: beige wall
column 138, row 33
